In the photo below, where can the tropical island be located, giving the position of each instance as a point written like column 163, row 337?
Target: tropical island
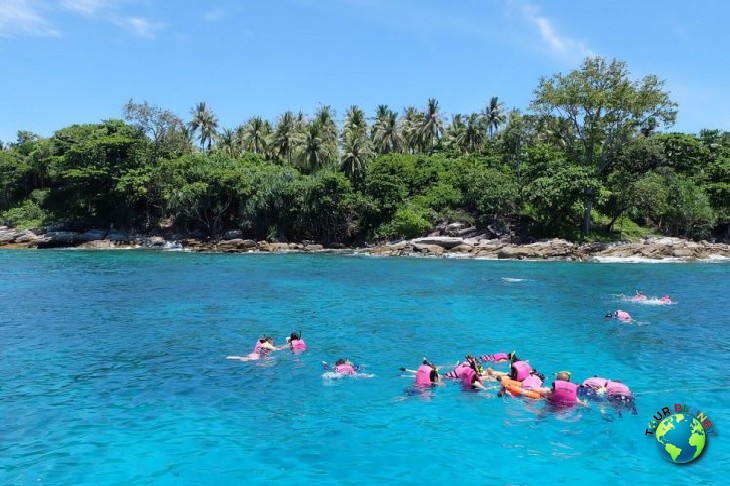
column 587, row 166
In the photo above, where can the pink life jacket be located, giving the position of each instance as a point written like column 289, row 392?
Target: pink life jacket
column 496, row 357
column 595, row 382
column 666, row 299
column 259, row 349
column 532, row 382
column 623, row 315
column 468, row 376
column 522, row 370
column 423, row 376
column 345, row 369
column 614, row 388
column 564, row 392
column 298, row 345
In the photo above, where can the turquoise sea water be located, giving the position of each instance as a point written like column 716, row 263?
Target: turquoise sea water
column 113, row 369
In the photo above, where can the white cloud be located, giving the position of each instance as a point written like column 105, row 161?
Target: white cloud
column 85, row 7
column 140, row 27
column 22, row 17
column 557, row 44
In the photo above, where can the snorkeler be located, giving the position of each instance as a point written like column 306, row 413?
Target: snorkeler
column 620, row 396
column 593, row 388
column 619, row 314
column 519, row 370
column 263, row 347
column 427, row 375
column 296, row 343
column 563, row 393
column 344, row 367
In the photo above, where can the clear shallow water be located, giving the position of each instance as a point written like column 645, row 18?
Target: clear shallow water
column 113, row 369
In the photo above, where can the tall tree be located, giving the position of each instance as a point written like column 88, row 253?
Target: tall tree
column 386, row 135
column 286, row 136
column 412, row 120
column 206, row 123
column 314, row 150
column 325, row 119
column 255, row 135
column 471, row 140
column 494, row 115
column 605, row 108
column 357, row 151
column 432, row 126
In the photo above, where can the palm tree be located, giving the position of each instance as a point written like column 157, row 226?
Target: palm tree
column 387, row 137
column 357, row 151
column 325, row 118
column 473, row 137
column 228, row 143
column 286, row 136
column 431, row 126
column 453, row 133
column 255, row 134
column 355, row 121
column 314, row 151
column 494, row 115
column 205, row 122
column 411, row 122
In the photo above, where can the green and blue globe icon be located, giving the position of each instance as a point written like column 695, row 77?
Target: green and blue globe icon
column 680, row 438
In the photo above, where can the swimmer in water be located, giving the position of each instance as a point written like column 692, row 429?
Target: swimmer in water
column 619, row 314
column 427, row 375
column 563, row 393
column 296, row 343
column 263, row 348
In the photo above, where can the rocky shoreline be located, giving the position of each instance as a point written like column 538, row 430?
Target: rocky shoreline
column 659, row 249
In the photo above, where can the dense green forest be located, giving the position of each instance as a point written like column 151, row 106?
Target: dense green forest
column 590, row 159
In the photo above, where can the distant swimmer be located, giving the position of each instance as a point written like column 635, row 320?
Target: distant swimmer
column 666, row 299
column 619, row 314
column 344, row 366
column 639, row 295
column 263, row 348
column 296, row 343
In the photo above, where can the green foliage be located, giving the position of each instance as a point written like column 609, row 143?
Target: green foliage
column 325, row 208
column 28, row 214
column 491, row 193
column 555, row 200
column 206, row 189
column 408, row 222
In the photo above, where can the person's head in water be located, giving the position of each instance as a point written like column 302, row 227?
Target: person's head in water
column 267, row 339
column 562, row 376
column 340, row 361
column 474, row 363
column 294, row 337
column 608, row 315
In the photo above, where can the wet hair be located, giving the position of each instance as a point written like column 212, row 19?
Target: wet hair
column 340, row 361
column 294, row 336
column 538, row 374
column 267, row 339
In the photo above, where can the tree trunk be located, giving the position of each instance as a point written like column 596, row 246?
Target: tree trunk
column 587, row 208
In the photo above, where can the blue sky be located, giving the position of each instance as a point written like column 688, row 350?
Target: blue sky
column 79, row 61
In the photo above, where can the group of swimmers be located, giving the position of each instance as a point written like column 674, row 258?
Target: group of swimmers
column 639, row 296
column 522, row 380
column 265, row 346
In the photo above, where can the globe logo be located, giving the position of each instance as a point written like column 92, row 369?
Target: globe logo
column 680, row 438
